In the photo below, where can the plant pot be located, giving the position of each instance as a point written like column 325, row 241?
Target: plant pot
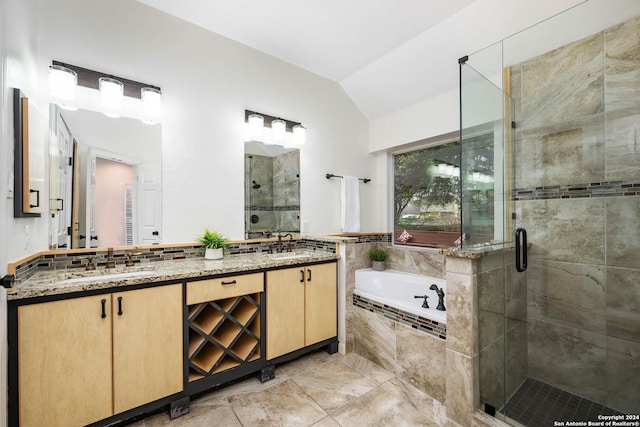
column 213, row 253
column 377, row 265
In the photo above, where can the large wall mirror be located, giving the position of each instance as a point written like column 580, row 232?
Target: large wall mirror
column 105, row 180
column 272, row 189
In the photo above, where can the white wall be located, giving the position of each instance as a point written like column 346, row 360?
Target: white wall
column 208, row 81
column 473, row 29
column 476, row 27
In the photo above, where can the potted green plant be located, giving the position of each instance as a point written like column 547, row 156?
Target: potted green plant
column 377, row 259
column 215, row 244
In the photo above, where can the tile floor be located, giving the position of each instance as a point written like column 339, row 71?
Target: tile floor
column 538, row 404
column 318, row 390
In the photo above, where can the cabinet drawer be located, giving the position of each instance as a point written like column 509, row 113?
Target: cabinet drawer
column 225, row 287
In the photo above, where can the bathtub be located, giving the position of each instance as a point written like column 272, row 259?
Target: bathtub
column 397, row 289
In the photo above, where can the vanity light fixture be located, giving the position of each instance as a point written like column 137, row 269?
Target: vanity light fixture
column 283, row 132
column 299, row 134
column 278, row 129
column 62, row 82
column 111, row 92
column 256, row 125
column 151, row 101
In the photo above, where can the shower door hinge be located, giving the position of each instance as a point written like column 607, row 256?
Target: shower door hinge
column 513, row 124
column 463, row 59
column 513, row 215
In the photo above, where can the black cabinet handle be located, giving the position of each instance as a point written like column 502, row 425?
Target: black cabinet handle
column 119, row 306
column 37, row 198
column 233, row 282
column 301, row 276
column 104, row 308
column 521, row 249
column 308, row 274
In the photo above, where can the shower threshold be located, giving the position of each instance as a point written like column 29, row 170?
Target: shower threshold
column 537, row 404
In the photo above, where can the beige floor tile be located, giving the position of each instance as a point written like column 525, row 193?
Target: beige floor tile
column 367, row 368
column 333, row 384
column 327, row 422
column 379, row 408
column 282, row 405
column 307, row 363
column 199, row 416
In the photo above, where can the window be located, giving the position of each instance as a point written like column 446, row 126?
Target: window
column 427, row 196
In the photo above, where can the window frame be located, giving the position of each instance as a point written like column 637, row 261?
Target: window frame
column 415, row 146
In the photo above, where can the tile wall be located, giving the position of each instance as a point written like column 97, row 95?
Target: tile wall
column 409, row 353
column 578, row 178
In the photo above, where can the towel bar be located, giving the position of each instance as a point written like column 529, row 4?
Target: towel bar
column 330, row 175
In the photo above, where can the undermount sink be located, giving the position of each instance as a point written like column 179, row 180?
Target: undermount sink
column 292, row 256
column 102, row 277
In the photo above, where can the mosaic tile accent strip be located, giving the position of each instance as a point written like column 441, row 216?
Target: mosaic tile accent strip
column 416, row 322
column 72, row 260
column 573, row 191
column 270, row 208
column 539, row 404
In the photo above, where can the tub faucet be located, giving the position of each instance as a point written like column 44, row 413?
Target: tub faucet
column 425, row 304
column 440, row 293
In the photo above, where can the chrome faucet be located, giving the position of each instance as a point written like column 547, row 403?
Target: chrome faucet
column 110, row 261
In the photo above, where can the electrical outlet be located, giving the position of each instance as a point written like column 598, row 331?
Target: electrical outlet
column 27, row 229
column 10, row 189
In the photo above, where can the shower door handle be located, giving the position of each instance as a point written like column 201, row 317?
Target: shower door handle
column 521, row 249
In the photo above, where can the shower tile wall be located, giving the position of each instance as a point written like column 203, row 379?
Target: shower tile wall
column 275, row 204
column 578, row 120
column 260, row 200
column 286, row 193
column 502, row 325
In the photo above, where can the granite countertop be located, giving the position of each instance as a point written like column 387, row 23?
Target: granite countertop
column 57, row 282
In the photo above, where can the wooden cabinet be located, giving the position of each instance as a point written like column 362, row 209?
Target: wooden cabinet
column 64, row 368
column 224, row 323
column 147, row 345
column 84, row 359
column 301, row 307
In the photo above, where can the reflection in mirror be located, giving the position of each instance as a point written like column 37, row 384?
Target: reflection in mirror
column 105, row 181
column 271, row 189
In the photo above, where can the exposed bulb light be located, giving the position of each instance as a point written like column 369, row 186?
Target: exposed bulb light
column 151, row 101
column 111, row 92
column 278, row 129
column 256, row 125
column 62, row 82
column 299, row 134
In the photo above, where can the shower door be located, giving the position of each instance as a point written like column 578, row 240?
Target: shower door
column 489, row 224
column 559, row 296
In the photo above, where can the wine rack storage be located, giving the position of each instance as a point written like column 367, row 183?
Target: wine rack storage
column 223, row 334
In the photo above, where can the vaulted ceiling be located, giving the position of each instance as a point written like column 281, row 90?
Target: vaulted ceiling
column 364, row 45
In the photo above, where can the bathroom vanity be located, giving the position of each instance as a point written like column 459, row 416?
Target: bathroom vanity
column 96, row 348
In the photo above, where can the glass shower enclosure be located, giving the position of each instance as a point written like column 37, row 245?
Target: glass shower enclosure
column 550, row 148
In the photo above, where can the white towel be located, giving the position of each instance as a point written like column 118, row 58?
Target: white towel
column 350, row 220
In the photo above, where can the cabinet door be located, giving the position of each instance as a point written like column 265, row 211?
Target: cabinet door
column 320, row 303
column 285, row 311
column 147, row 345
column 64, row 362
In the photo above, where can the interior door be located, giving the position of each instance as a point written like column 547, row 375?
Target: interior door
column 64, row 184
column 75, row 200
column 150, row 205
